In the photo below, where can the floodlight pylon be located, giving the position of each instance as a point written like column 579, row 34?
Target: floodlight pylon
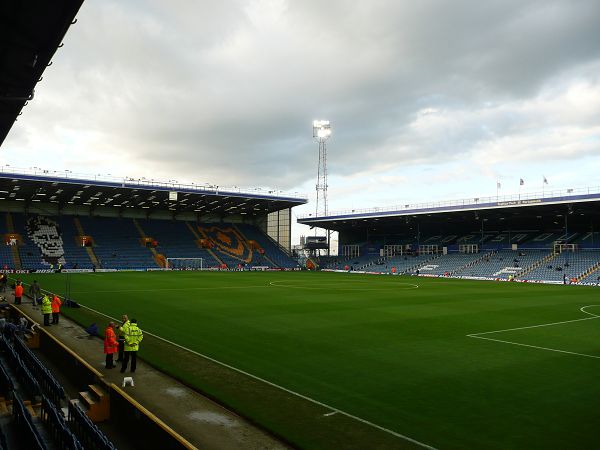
column 321, row 132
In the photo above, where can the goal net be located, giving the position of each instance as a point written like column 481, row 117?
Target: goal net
column 185, row 263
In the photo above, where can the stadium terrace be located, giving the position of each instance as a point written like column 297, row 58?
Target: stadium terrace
column 544, row 237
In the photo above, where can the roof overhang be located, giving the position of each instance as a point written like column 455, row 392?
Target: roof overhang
column 30, row 33
column 145, row 195
column 526, row 207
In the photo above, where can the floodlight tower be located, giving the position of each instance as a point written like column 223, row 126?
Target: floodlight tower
column 321, row 132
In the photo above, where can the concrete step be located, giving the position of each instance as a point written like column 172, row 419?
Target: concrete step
column 87, row 399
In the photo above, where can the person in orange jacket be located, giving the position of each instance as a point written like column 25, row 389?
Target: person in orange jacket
column 110, row 344
column 56, row 302
column 18, row 292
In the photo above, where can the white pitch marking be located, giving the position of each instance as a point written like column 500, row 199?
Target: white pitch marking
column 297, row 394
column 539, row 348
column 342, row 288
column 582, row 309
column 169, row 289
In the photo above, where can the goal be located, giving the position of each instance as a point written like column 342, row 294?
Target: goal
column 185, row 263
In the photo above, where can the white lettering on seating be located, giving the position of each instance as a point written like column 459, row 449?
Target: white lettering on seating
column 509, row 270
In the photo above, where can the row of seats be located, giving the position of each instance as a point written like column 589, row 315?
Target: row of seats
column 566, row 264
column 76, row 433
column 49, row 386
column 117, row 243
column 272, row 249
column 31, row 437
column 531, row 264
column 176, row 240
column 54, row 420
column 502, row 264
column 26, row 378
column 89, row 434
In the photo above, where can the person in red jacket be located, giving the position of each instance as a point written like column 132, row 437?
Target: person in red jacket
column 110, row 344
column 56, row 302
column 18, row 292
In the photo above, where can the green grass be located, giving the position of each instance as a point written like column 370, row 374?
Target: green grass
column 374, row 347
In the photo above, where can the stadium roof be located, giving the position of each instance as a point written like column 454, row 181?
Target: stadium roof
column 41, row 186
column 30, row 33
column 521, row 210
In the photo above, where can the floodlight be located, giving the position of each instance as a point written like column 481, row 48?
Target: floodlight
column 321, row 129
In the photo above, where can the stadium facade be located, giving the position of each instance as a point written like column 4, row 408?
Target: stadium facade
column 547, row 236
column 126, row 223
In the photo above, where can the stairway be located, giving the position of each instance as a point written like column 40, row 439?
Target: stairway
column 14, row 248
column 89, row 250
column 588, row 272
column 158, row 259
column 197, row 236
column 483, row 257
column 95, row 402
column 264, row 255
column 536, row 264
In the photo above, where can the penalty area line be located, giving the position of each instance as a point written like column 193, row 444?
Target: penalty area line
column 537, row 347
column 583, row 309
column 289, row 391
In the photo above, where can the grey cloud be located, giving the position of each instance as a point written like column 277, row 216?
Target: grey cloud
column 227, row 90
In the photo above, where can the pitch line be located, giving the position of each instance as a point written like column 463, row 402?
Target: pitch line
column 117, row 291
column 583, row 309
column 537, row 347
column 342, row 288
column 289, row 391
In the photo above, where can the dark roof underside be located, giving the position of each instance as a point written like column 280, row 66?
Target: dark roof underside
column 63, row 192
column 578, row 214
column 30, row 33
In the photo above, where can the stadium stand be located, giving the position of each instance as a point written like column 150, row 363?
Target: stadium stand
column 29, row 252
column 175, row 240
column 565, row 266
column 503, row 263
column 451, row 263
column 117, row 243
column 75, row 254
column 274, row 255
column 55, row 422
column 403, row 264
column 36, row 382
column 84, row 428
column 30, row 435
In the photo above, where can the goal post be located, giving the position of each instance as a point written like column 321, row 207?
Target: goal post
column 185, row 263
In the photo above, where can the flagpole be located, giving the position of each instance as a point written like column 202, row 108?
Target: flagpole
column 544, row 183
column 521, row 183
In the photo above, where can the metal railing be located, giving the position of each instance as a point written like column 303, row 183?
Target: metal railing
column 145, row 182
column 496, row 200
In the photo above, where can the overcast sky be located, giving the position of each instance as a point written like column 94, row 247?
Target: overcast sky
column 428, row 100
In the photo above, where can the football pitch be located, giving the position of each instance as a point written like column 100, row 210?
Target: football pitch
column 335, row 360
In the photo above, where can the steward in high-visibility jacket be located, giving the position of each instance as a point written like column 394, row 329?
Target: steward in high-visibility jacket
column 133, row 337
column 56, row 302
column 46, row 309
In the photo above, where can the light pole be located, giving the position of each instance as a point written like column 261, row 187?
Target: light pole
column 322, row 132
